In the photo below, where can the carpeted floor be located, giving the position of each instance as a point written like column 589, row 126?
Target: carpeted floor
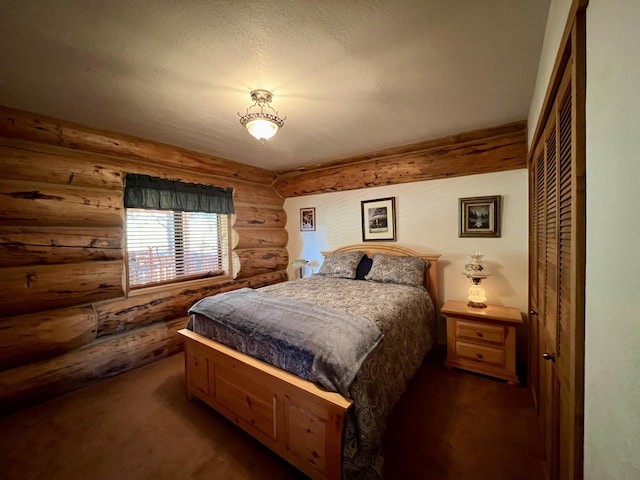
column 139, row 425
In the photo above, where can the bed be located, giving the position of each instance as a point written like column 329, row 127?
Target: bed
column 328, row 425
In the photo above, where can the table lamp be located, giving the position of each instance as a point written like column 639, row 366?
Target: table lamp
column 476, row 272
column 300, row 264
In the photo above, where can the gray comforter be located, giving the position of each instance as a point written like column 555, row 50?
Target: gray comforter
column 404, row 315
column 327, row 346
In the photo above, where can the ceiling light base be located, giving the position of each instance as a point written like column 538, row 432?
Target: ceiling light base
column 261, row 96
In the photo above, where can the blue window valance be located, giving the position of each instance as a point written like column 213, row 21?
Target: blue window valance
column 153, row 193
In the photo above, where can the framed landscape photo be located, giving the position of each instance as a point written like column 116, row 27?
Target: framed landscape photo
column 480, row 216
column 307, row 219
column 379, row 219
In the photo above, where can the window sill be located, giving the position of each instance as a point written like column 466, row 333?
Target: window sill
column 196, row 283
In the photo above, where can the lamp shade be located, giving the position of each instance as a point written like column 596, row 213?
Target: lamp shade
column 299, row 262
column 262, row 128
column 476, row 269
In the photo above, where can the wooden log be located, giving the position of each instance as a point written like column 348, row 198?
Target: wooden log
column 22, row 246
column 448, row 141
column 58, row 166
column 234, row 238
column 254, row 194
column 28, row 126
column 29, row 384
column 28, row 338
column 261, row 237
column 256, row 261
column 27, row 204
column 159, row 305
column 47, row 287
column 244, row 192
column 247, row 216
column 483, row 151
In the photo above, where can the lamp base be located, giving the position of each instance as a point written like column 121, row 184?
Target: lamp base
column 476, row 305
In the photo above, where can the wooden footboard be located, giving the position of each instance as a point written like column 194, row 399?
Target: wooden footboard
column 295, row 418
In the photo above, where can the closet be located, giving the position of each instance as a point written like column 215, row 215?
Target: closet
column 557, row 258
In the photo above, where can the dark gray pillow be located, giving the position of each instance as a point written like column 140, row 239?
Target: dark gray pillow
column 342, row 265
column 404, row 270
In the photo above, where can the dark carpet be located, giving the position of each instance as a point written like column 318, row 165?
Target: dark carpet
column 139, row 425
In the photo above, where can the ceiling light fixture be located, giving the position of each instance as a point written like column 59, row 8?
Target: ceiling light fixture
column 262, row 125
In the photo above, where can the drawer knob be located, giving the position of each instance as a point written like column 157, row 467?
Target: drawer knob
column 480, row 334
column 549, row 356
column 480, row 356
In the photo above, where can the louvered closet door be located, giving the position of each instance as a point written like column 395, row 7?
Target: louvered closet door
column 536, row 265
column 544, row 299
column 571, row 262
column 557, row 283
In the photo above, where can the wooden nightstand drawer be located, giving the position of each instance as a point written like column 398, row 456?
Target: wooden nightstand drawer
column 480, row 353
column 479, row 331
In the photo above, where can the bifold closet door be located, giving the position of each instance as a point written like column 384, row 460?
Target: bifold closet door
column 556, row 296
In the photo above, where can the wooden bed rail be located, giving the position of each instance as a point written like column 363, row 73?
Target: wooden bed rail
column 295, row 418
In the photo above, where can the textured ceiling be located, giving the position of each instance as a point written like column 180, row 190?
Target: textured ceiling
column 351, row 76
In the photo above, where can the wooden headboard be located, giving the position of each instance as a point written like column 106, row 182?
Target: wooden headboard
column 430, row 275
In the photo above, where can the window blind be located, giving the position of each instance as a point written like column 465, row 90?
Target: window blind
column 175, row 230
column 165, row 246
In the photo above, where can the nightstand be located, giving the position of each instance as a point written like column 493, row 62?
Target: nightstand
column 482, row 340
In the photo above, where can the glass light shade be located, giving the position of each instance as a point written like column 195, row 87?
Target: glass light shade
column 476, row 295
column 262, row 128
column 476, row 269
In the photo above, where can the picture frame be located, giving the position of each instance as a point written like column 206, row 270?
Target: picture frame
column 378, row 219
column 308, row 219
column 480, row 216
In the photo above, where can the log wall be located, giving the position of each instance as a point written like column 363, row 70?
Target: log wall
column 480, row 151
column 66, row 319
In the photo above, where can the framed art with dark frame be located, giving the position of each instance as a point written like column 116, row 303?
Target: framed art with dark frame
column 379, row 219
column 480, row 216
column 307, row 219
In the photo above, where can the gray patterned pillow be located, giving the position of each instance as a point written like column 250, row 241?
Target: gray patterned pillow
column 342, row 265
column 404, row 270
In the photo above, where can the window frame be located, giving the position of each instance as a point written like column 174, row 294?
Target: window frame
column 186, row 280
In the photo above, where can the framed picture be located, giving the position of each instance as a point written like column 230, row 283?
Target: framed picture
column 307, row 219
column 480, row 216
column 379, row 219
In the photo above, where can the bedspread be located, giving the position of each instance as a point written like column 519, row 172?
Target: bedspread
column 325, row 346
column 405, row 316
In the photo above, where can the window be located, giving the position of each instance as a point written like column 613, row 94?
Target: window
column 165, row 246
column 175, row 230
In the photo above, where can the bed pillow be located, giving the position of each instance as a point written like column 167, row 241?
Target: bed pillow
column 403, row 270
column 341, row 265
column 363, row 267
